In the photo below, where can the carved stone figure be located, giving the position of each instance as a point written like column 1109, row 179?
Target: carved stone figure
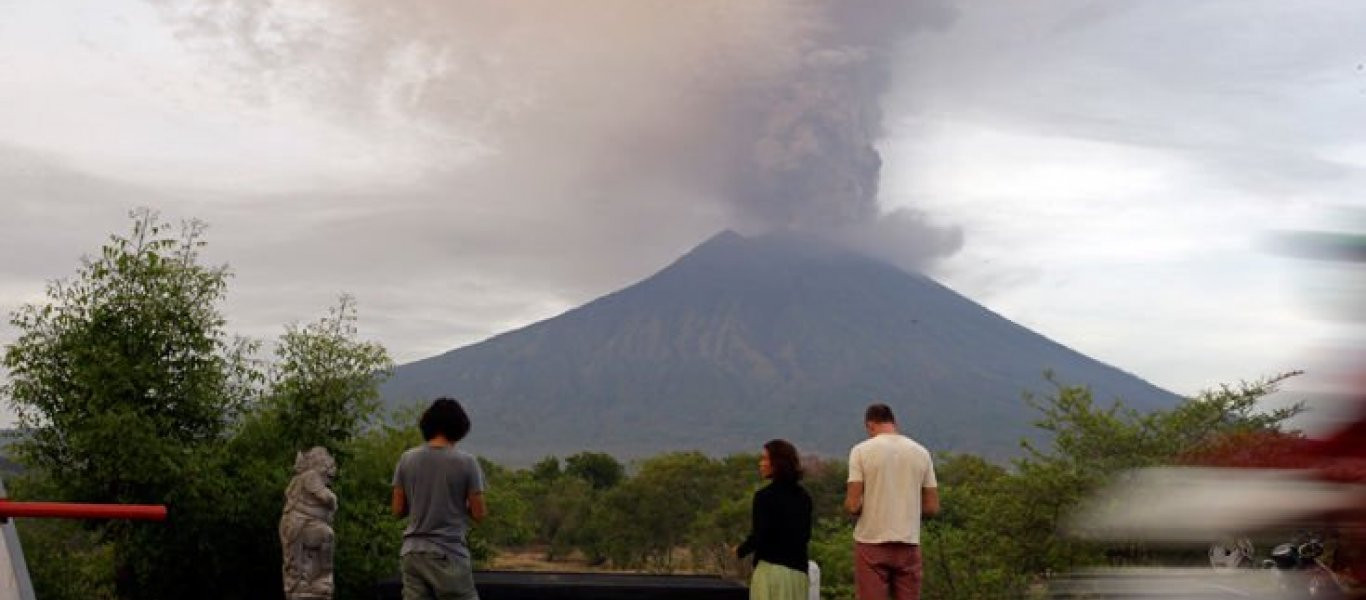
column 306, row 527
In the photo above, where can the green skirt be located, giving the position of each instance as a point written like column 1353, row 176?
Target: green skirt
column 774, row 582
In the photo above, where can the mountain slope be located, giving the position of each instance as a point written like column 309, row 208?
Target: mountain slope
column 745, row 339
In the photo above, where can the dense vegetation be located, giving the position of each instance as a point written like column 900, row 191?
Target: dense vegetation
column 129, row 389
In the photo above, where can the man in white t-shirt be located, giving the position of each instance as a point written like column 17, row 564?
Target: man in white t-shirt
column 891, row 484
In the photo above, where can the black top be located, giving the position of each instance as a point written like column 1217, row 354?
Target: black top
column 781, row 526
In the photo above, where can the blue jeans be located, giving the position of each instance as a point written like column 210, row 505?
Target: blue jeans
column 437, row 576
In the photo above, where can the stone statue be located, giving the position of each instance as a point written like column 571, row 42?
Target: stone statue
column 306, row 526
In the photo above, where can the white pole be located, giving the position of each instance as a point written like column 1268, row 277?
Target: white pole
column 14, row 581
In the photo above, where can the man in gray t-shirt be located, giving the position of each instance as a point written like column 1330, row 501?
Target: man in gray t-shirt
column 441, row 490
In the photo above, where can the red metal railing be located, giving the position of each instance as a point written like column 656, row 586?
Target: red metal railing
column 75, row 510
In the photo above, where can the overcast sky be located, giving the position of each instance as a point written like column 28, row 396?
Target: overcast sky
column 1105, row 173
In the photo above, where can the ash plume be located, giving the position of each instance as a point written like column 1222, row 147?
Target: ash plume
column 759, row 115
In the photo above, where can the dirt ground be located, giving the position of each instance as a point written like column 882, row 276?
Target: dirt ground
column 532, row 558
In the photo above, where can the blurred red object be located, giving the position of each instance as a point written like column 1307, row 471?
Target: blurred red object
column 1341, row 456
column 1338, row 457
column 1254, row 450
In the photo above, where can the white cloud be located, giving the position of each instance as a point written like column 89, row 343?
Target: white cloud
column 1118, row 168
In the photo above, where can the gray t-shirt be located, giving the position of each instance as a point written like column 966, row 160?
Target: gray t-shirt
column 436, row 483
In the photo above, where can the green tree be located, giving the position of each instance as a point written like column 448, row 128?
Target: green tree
column 67, row 562
column 368, row 535
column 548, row 469
column 126, row 368
column 832, row 548
column 128, row 390
column 599, row 469
column 563, row 513
column 826, row 481
column 322, row 391
column 323, row 388
column 510, row 496
column 66, row 559
column 968, row 551
column 999, row 528
column 124, row 379
column 643, row 520
column 1092, row 444
column 714, row 533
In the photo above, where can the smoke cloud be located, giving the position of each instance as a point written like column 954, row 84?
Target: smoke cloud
column 759, row 115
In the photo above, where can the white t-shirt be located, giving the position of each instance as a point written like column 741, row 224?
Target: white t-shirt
column 893, row 469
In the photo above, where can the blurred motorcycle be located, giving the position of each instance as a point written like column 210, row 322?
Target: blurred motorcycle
column 1301, row 571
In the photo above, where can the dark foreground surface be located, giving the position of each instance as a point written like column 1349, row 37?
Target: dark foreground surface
column 524, row 585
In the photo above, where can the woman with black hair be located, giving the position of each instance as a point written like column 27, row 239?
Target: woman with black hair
column 780, row 527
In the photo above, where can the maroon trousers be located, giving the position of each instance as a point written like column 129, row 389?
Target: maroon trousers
column 887, row 571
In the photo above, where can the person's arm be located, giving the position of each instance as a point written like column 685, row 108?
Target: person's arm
column 929, row 501
column 475, row 502
column 929, row 492
column 398, row 500
column 853, row 498
column 853, row 490
column 474, row 496
column 398, row 503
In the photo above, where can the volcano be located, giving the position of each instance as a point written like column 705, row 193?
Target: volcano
column 745, row 339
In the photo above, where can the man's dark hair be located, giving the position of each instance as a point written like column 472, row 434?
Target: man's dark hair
column 878, row 413
column 783, row 460
column 445, row 417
